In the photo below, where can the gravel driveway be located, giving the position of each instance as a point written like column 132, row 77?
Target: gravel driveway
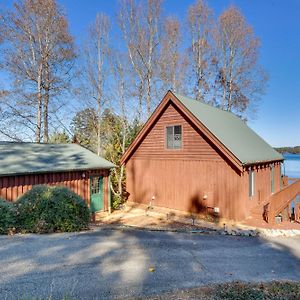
column 105, row 264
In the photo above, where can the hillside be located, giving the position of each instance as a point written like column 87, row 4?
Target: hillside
column 293, row 150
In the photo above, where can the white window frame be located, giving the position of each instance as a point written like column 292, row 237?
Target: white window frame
column 173, row 147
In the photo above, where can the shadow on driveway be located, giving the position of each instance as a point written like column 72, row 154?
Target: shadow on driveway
column 106, row 264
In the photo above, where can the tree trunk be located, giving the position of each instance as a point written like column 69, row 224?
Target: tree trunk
column 140, row 108
column 149, row 95
column 199, row 68
column 224, row 74
column 99, row 138
column 230, row 89
column 123, row 151
column 39, row 106
column 46, row 105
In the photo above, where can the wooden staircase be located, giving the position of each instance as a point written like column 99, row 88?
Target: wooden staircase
column 259, row 211
column 277, row 203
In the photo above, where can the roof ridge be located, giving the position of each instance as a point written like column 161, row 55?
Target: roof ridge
column 209, row 105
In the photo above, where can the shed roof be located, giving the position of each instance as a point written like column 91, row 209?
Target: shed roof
column 28, row 158
column 232, row 132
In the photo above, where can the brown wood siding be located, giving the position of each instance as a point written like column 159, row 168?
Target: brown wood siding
column 194, row 144
column 12, row 187
column 179, row 179
column 262, row 184
column 182, row 184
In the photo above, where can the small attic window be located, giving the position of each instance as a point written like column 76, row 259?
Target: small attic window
column 174, row 137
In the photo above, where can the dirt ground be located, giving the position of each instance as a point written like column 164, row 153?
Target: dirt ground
column 157, row 218
column 154, row 219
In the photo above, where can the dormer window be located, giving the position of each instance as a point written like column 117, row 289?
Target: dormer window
column 174, row 137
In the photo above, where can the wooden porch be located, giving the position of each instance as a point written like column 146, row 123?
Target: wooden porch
column 282, row 206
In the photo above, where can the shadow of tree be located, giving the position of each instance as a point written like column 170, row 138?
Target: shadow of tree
column 107, row 264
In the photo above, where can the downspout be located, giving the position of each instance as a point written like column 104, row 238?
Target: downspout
column 109, row 194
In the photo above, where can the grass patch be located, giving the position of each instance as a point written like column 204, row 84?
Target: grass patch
column 236, row 290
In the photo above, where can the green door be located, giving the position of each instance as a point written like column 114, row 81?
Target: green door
column 96, row 193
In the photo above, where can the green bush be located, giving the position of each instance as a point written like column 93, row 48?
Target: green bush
column 116, row 201
column 51, row 209
column 7, row 217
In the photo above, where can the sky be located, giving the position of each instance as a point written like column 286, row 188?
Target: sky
column 275, row 22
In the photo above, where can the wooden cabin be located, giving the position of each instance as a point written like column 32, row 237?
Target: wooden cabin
column 193, row 157
column 23, row 165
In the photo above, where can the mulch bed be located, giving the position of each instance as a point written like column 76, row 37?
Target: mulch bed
column 235, row 291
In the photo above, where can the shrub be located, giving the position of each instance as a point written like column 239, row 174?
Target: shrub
column 7, row 217
column 116, row 201
column 51, row 209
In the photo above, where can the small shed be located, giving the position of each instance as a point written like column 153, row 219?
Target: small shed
column 23, row 165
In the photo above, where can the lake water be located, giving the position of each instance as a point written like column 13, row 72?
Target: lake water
column 291, row 168
column 292, row 165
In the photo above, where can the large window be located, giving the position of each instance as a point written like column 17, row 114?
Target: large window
column 272, row 179
column 174, row 137
column 251, row 183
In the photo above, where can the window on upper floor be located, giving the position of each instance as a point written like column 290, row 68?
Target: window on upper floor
column 251, row 183
column 174, row 137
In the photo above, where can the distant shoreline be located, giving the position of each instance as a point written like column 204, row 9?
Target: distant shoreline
column 288, row 150
column 291, row 166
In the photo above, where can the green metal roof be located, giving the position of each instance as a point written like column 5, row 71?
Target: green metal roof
column 26, row 158
column 247, row 146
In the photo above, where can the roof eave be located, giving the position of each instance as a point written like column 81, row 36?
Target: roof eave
column 245, row 164
column 54, row 171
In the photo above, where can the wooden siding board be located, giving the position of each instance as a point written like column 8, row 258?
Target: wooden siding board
column 194, row 145
column 181, row 184
column 13, row 187
column 262, row 192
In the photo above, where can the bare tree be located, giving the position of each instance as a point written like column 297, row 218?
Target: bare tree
column 140, row 28
column 37, row 45
column 58, row 58
column 129, row 24
column 120, row 68
column 149, row 56
column 240, row 78
column 97, row 68
column 200, row 29
column 171, row 62
column 23, row 59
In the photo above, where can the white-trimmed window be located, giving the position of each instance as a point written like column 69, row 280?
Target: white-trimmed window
column 251, row 183
column 174, row 137
column 272, row 179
